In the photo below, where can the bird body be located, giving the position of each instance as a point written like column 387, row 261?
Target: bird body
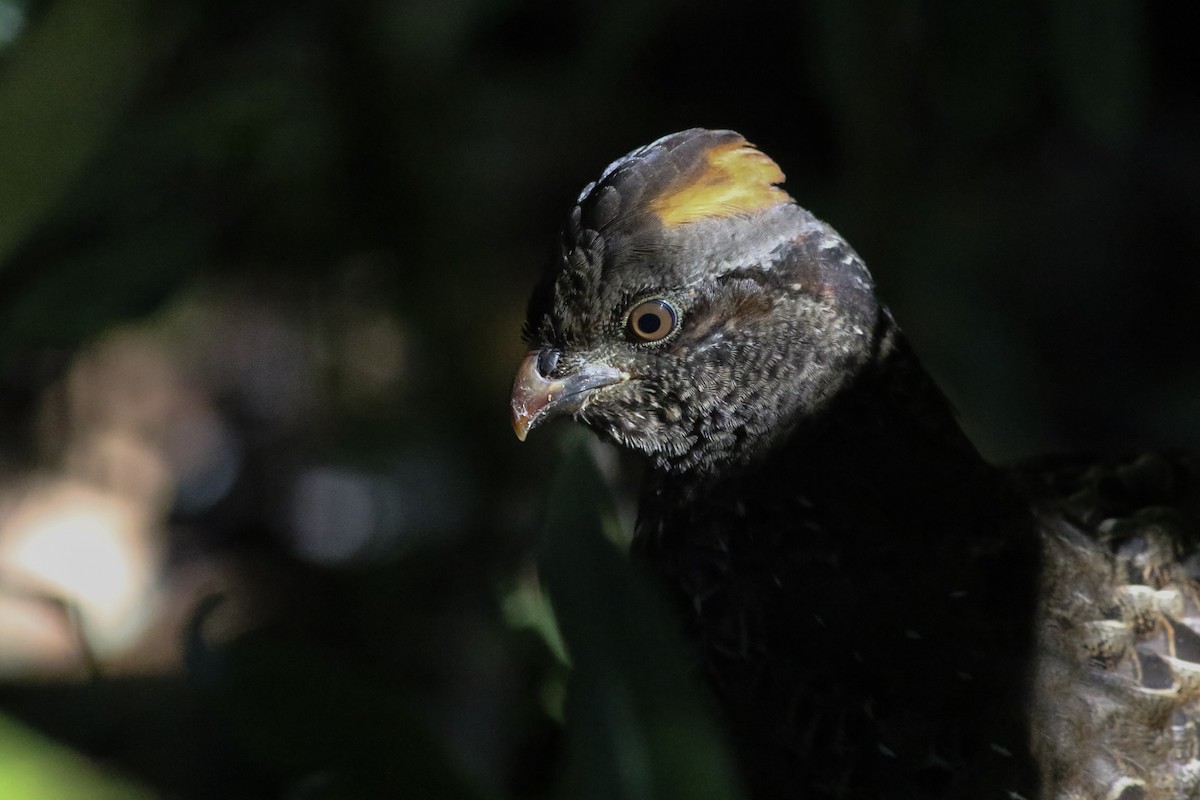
column 879, row 611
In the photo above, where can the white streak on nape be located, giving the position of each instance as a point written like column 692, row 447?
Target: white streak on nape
column 763, row 250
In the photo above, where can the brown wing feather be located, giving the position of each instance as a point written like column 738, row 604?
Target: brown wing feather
column 1118, row 676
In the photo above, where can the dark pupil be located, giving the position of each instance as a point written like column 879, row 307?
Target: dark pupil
column 649, row 323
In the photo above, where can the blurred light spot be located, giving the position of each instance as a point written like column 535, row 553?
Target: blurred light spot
column 334, row 516
column 339, row 515
column 92, row 549
column 37, row 634
column 127, row 419
column 120, row 462
column 206, row 457
column 127, row 381
column 12, row 22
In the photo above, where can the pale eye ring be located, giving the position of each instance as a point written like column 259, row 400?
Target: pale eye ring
column 652, row 320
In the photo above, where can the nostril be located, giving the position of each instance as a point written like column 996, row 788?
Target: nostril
column 548, row 361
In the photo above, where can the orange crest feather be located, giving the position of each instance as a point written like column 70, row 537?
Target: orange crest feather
column 735, row 178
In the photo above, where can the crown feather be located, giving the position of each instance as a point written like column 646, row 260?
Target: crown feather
column 731, row 178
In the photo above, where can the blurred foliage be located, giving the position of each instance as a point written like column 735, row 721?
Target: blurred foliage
column 34, row 768
column 88, row 58
column 636, row 727
column 262, row 272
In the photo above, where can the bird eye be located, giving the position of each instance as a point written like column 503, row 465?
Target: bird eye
column 652, row 320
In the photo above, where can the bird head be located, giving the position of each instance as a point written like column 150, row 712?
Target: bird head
column 696, row 313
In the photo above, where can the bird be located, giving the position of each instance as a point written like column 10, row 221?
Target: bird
column 878, row 610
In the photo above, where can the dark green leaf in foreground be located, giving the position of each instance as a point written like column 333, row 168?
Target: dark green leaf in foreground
column 637, row 727
column 61, row 94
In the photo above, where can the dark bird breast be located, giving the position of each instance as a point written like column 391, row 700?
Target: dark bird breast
column 862, row 602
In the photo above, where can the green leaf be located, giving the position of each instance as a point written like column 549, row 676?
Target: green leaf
column 637, row 726
column 64, row 86
column 33, row 767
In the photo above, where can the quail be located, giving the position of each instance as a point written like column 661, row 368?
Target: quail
column 879, row 612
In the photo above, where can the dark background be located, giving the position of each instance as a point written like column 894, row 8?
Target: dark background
column 262, row 273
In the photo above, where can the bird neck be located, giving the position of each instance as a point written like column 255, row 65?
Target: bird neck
column 887, row 455
column 891, row 444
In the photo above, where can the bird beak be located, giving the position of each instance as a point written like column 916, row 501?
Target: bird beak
column 534, row 398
